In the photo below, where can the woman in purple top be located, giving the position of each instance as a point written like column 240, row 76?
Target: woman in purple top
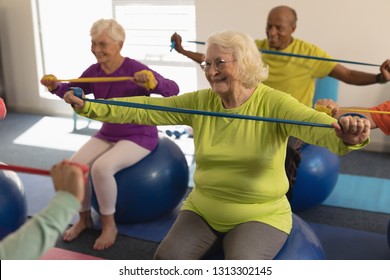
column 115, row 146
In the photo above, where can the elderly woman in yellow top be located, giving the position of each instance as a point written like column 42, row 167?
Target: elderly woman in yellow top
column 240, row 181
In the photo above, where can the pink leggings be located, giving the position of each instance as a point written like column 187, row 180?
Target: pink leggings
column 191, row 238
column 105, row 159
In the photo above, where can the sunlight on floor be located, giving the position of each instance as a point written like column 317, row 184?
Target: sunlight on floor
column 55, row 133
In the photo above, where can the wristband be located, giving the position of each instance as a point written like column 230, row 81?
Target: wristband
column 380, row 79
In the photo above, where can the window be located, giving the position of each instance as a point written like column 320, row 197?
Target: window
column 63, row 36
column 149, row 25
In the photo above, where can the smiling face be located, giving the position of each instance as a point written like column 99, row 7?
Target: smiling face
column 223, row 80
column 281, row 23
column 105, row 48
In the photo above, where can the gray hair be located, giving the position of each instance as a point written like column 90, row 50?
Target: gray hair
column 252, row 69
column 111, row 26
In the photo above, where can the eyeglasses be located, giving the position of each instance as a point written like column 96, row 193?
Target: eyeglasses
column 219, row 64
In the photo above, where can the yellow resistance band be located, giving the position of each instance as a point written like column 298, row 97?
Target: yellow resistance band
column 150, row 84
column 96, row 79
column 329, row 111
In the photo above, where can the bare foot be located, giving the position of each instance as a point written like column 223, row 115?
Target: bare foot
column 109, row 232
column 74, row 231
column 106, row 238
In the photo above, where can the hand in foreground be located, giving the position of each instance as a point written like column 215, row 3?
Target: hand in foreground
column 73, row 100
column 70, row 177
column 352, row 129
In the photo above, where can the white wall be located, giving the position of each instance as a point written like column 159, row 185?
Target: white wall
column 355, row 30
column 17, row 43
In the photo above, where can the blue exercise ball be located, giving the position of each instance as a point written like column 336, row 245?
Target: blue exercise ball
column 13, row 203
column 327, row 87
column 301, row 244
column 153, row 187
column 317, row 176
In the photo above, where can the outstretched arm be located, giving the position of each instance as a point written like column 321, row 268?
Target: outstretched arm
column 355, row 77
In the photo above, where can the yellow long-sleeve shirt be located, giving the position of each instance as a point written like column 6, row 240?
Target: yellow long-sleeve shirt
column 240, row 173
column 295, row 75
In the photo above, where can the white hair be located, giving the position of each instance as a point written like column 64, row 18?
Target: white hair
column 252, row 69
column 111, row 26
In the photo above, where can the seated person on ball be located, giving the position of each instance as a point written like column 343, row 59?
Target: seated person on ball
column 240, row 189
column 115, row 146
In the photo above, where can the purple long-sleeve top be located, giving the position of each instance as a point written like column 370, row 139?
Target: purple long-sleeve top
column 143, row 135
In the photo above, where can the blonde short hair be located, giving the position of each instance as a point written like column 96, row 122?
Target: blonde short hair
column 111, row 26
column 252, row 69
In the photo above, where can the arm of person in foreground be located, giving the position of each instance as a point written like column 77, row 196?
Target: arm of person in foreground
column 41, row 232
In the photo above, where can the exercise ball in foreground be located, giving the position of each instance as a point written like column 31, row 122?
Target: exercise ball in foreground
column 153, row 187
column 302, row 244
column 13, row 203
column 317, row 176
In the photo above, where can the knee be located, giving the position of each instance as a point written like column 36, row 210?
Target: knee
column 164, row 252
column 167, row 251
column 97, row 166
column 99, row 171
